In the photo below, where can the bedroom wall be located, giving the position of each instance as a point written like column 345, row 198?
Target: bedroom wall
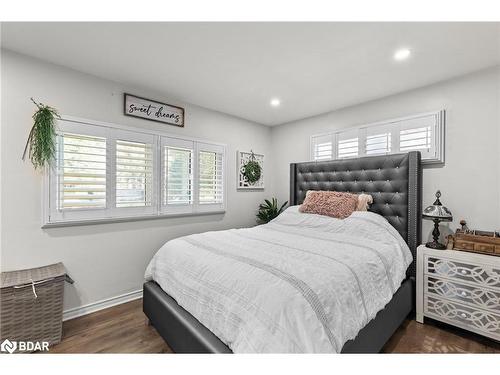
column 470, row 177
column 106, row 260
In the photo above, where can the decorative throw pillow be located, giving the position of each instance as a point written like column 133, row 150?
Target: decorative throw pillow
column 363, row 201
column 329, row 203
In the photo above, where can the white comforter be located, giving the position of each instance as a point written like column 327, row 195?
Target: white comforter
column 302, row 283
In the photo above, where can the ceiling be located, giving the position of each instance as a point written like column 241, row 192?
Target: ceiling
column 237, row 68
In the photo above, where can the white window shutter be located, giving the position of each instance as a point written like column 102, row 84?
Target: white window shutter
column 348, row 144
column 419, row 134
column 78, row 187
column 322, row 147
column 378, row 140
column 177, row 175
column 134, row 174
column 210, row 172
column 81, row 164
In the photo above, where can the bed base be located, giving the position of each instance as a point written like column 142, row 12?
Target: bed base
column 184, row 334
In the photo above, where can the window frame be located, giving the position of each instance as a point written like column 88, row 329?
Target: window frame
column 52, row 217
column 437, row 137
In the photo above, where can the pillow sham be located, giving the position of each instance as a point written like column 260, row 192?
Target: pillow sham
column 329, row 203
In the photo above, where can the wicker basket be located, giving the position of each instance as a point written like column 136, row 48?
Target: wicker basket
column 31, row 304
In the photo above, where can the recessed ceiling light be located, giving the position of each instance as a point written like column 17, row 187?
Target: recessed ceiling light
column 275, row 102
column 402, row 54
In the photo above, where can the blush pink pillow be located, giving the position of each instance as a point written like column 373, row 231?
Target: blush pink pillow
column 329, row 203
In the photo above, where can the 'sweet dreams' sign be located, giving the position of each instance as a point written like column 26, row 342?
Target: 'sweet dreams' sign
column 153, row 110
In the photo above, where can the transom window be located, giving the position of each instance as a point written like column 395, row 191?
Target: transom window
column 423, row 132
column 108, row 172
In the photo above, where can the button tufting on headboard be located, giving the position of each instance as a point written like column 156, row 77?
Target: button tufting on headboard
column 394, row 181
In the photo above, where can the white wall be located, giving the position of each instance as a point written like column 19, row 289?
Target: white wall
column 470, row 178
column 105, row 260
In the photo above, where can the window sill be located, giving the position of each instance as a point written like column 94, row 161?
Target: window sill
column 72, row 223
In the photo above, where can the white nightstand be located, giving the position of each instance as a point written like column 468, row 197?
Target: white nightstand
column 459, row 288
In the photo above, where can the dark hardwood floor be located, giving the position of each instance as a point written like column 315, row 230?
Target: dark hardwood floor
column 123, row 329
column 119, row 329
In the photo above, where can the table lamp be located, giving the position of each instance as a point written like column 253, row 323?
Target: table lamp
column 437, row 213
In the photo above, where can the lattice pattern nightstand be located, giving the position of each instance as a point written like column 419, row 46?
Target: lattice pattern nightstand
column 459, row 288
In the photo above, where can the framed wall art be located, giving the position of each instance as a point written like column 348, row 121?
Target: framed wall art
column 250, row 171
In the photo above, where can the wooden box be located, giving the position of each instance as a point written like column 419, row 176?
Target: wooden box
column 477, row 242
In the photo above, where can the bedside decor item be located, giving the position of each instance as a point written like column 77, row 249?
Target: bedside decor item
column 476, row 241
column 250, row 170
column 269, row 210
column 459, row 288
column 152, row 110
column 437, row 213
column 41, row 143
column 32, row 304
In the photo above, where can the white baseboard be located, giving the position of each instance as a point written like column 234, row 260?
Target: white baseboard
column 100, row 305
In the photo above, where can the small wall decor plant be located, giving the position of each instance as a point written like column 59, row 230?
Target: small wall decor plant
column 269, row 210
column 252, row 170
column 41, row 143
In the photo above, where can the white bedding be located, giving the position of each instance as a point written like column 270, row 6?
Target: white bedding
column 302, row 283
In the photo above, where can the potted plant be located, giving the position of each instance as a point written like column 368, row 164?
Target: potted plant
column 269, row 210
column 41, row 143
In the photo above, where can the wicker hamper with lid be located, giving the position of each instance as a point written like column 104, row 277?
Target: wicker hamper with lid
column 31, row 304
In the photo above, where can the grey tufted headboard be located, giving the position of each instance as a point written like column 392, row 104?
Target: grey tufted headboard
column 394, row 181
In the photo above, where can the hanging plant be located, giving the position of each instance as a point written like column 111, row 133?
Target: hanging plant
column 41, row 143
column 252, row 170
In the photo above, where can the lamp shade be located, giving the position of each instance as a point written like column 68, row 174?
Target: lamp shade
column 437, row 210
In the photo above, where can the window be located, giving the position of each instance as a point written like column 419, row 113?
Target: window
column 134, row 174
column 322, row 147
column 177, row 175
column 82, row 166
column 424, row 132
column 378, row 140
column 347, row 144
column 210, row 170
column 107, row 172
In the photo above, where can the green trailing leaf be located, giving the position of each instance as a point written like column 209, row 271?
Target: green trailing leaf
column 41, row 143
column 269, row 210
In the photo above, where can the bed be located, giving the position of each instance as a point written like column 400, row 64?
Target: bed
column 261, row 304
